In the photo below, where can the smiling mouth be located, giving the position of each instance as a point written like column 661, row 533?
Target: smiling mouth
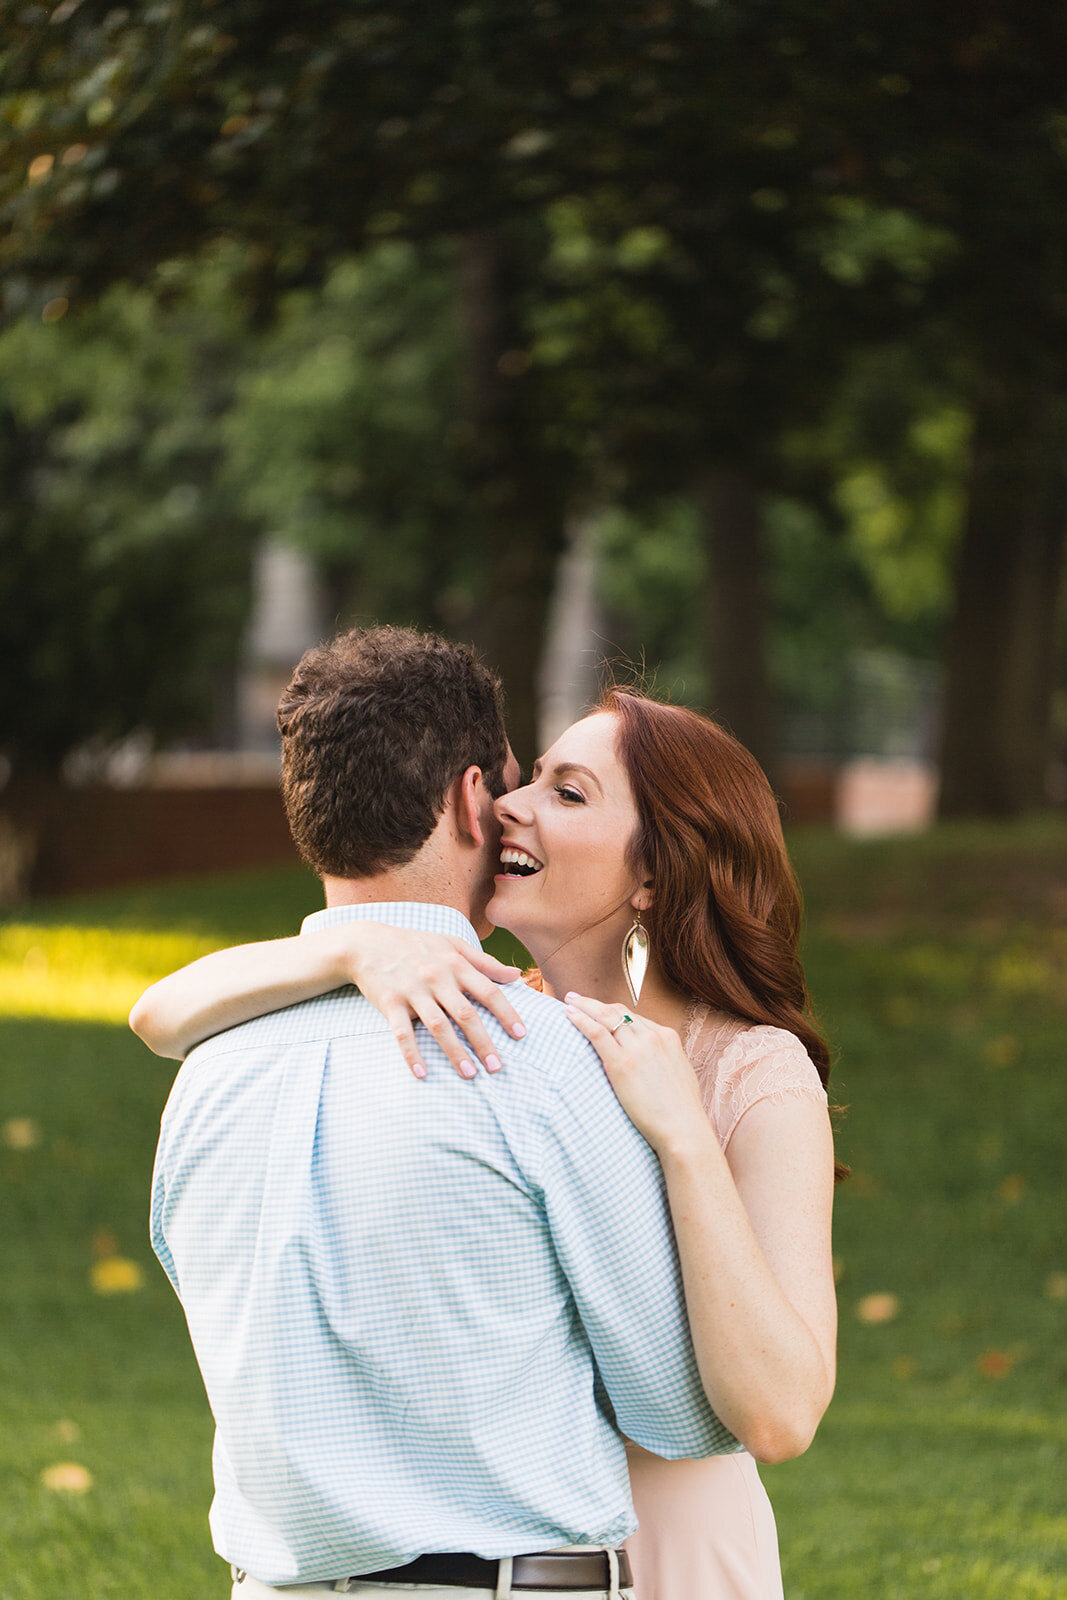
column 517, row 864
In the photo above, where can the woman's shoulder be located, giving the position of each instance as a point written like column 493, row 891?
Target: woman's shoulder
column 749, row 1063
column 759, row 1041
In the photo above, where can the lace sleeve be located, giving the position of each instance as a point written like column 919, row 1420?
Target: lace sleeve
column 759, row 1064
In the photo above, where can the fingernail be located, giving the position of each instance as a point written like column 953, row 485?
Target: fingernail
column 518, row 1031
column 572, row 994
column 468, row 1070
column 418, row 1069
column 493, row 1063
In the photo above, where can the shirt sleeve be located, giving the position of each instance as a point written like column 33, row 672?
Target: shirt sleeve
column 156, row 1230
column 762, row 1063
column 607, row 1211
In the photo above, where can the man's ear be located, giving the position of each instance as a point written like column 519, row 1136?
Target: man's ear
column 470, row 799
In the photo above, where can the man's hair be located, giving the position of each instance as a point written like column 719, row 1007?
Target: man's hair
column 375, row 726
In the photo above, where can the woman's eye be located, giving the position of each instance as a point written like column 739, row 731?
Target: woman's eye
column 566, row 793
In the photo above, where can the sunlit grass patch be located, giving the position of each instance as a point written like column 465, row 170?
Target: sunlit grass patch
column 85, row 974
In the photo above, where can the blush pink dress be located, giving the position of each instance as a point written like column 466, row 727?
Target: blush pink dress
column 706, row 1528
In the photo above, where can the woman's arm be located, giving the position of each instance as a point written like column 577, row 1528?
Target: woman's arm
column 407, row 974
column 753, row 1233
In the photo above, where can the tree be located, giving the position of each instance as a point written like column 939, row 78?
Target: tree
column 376, row 427
column 467, row 123
column 1001, row 647
column 970, row 139
column 338, row 435
column 729, row 145
column 124, row 564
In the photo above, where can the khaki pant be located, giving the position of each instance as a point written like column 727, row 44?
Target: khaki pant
column 248, row 1588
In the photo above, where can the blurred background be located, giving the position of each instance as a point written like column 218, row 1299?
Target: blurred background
column 724, row 339
column 716, row 341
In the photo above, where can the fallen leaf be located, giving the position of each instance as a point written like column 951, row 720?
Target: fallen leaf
column 67, row 1432
column 1002, row 1051
column 1056, row 1286
column 995, row 1363
column 1012, row 1188
column 874, row 1308
column 839, row 1269
column 22, row 1133
column 67, row 1477
column 105, row 1243
column 116, row 1275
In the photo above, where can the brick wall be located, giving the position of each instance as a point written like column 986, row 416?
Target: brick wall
column 94, row 838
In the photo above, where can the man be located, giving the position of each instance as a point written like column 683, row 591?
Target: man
column 426, row 1313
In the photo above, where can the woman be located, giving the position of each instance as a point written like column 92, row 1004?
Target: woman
column 644, row 822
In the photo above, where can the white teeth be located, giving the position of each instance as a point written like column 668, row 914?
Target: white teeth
column 519, row 858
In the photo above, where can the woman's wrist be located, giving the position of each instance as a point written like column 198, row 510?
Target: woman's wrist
column 346, row 946
column 689, row 1148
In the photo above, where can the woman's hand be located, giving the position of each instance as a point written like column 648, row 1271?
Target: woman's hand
column 648, row 1069
column 753, row 1232
column 434, row 979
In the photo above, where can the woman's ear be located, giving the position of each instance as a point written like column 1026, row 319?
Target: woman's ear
column 642, row 898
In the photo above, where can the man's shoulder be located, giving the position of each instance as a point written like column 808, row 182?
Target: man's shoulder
column 552, row 1041
column 552, row 1047
column 328, row 1016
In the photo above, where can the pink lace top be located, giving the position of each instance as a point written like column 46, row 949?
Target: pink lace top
column 738, row 1065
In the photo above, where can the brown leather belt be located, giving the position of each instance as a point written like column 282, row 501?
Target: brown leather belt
column 548, row 1569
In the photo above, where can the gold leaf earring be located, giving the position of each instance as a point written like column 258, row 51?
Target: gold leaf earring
column 635, row 958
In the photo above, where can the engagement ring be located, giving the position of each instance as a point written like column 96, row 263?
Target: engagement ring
column 626, row 1017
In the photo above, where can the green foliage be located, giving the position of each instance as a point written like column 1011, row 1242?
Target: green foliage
column 714, row 241
column 124, row 570
column 652, row 584
column 838, row 648
column 713, row 217
column 823, row 615
column 897, row 443
column 345, row 432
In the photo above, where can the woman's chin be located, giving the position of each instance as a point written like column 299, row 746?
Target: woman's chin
column 503, row 912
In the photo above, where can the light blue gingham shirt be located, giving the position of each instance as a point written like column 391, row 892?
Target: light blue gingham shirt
column 425, row 1312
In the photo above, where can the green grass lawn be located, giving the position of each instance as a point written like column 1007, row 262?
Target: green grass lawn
column 940, row 970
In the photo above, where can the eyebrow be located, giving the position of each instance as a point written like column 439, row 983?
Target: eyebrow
column 570, row 766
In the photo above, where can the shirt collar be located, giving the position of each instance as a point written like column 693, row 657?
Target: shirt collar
column 399, row 914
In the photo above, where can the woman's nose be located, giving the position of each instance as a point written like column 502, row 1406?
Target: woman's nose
column 514, row 806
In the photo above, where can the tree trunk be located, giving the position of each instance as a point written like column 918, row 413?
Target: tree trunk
column 1001, row 647
column 570, row 675
column 521, row 580
column 737, row 614
column 28, row 806
column 516, row 500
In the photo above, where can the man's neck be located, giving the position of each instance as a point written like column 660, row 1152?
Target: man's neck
column 403, row 885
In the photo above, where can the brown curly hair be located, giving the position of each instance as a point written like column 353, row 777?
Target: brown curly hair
column 375, row 726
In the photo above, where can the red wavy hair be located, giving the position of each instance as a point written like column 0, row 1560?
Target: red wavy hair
column 724, row 923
